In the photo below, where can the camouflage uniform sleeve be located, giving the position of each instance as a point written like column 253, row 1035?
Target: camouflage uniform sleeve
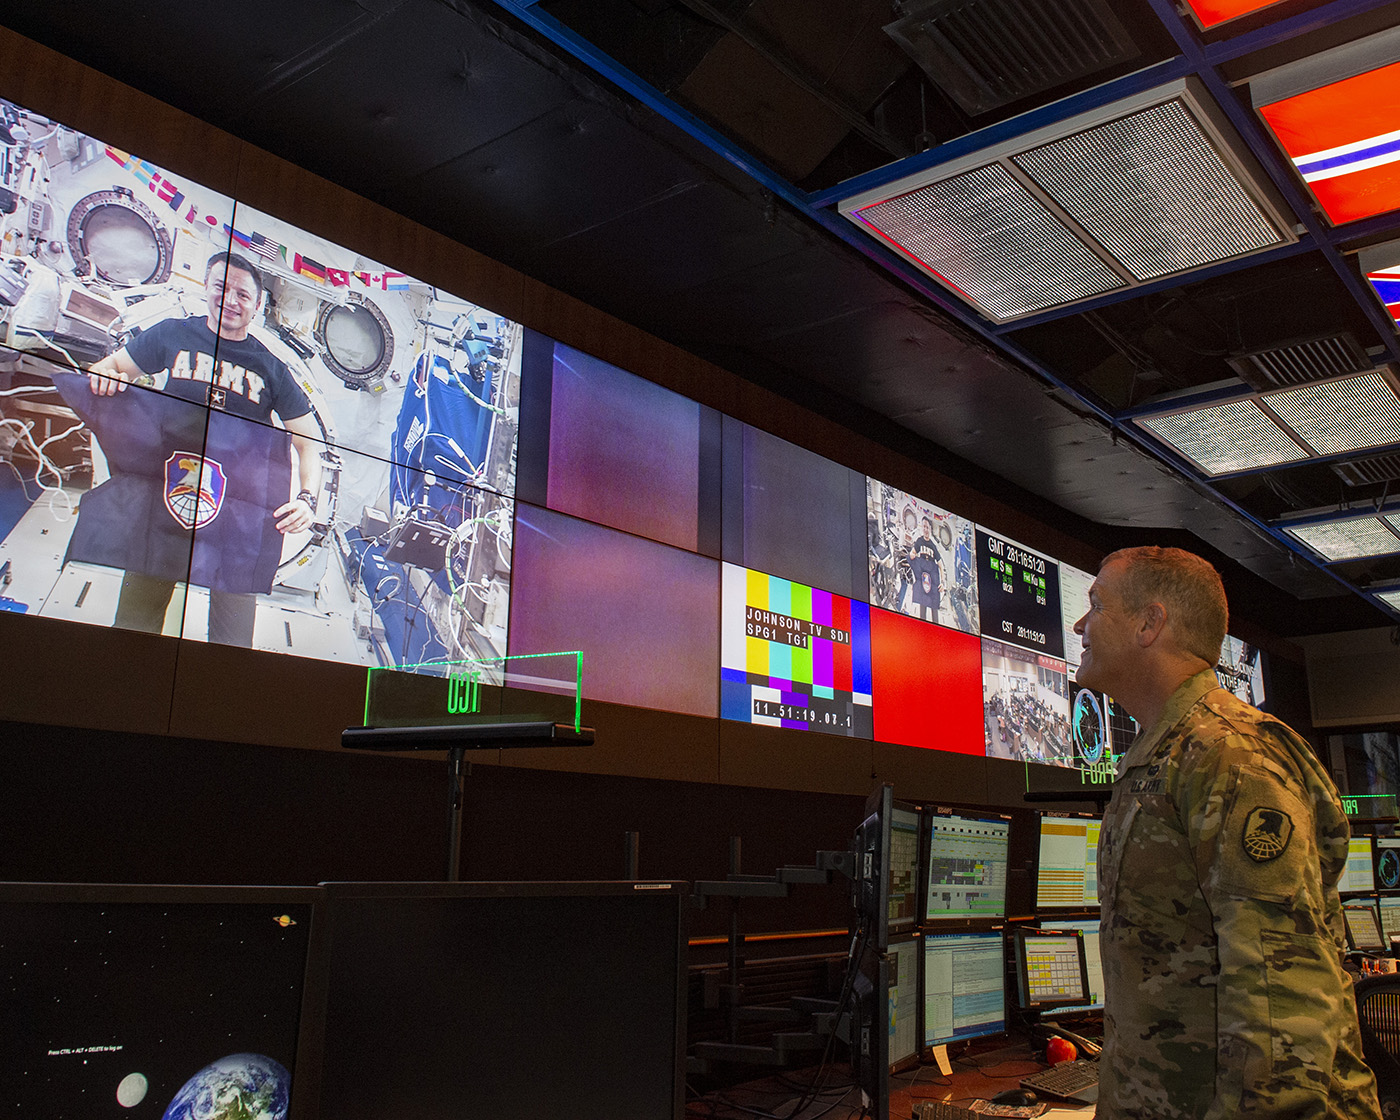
column 1252, row 829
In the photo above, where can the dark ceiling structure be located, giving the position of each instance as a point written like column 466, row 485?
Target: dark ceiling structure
column 1068, row 253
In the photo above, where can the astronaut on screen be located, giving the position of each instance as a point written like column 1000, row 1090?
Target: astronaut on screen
column 229, row 485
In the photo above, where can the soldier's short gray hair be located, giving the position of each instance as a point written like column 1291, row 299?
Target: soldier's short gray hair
column 1188, row 586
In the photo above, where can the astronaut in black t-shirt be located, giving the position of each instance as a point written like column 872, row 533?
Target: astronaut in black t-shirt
column 928, row 573
column 212, row 360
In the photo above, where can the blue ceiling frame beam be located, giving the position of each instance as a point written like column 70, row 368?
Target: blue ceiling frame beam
column 1355, row 512
column 1057, row 111
column 1166, row 283
column 817, row 208
column 1280, row 31
column 1191, row 398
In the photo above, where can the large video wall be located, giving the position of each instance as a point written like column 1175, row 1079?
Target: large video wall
column 222, row 427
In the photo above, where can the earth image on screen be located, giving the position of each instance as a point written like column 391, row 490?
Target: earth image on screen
column 238, row 1087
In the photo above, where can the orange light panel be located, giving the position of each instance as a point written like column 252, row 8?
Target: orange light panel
column 1212, row 12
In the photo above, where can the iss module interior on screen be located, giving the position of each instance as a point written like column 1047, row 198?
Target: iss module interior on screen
column 239, row 431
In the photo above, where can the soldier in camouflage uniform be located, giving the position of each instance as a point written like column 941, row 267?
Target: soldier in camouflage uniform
column 1222, row 935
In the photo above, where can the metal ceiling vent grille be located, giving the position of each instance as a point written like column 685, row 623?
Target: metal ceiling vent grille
column 1152, row 186
column 1298, row 363
column 1368, row 472
column 1338, row 416
column 989, row 53
column 1348, row 539
column 1225, row 438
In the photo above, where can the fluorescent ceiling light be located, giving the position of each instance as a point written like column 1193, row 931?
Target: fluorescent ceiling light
column 1225, row 438
column 1151, row 186
column 1346, row 538
column 1390, row 598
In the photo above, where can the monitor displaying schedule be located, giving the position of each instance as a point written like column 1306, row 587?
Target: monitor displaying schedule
column 964, row 987
column 1359, row 876
column 904, row 1000
column 967, row 859
column 1363, row 926
column 1068, row 876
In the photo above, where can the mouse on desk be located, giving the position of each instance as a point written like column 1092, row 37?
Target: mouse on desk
column 1023, row 1097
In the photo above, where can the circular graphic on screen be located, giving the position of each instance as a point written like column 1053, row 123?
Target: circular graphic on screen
column 119, row 238
column 1090, row 734
column 355, row 340
column 1388, row 869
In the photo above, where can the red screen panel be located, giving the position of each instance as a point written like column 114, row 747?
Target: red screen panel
column 1213, row 12
column 926, row 684
column 1343, row 139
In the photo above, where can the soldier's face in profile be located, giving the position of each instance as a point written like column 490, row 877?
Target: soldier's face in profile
column 1107, row 632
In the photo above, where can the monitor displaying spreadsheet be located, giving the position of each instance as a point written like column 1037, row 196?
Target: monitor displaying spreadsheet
column 1092, row 962
column 964, row 986
column 1068, row 873
column 1359, row 876
column 967, row 860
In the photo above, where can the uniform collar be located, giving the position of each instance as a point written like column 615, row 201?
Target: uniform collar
column 1187, row 695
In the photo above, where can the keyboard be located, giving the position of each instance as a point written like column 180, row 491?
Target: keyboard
column 1070, row 1081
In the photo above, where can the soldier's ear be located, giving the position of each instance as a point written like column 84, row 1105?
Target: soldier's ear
column 1151, row 623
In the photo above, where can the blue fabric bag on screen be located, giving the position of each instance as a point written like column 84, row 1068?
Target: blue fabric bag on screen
column 191, row 491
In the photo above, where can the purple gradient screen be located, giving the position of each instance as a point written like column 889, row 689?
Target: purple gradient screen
column 646, row 616
column 623, row 451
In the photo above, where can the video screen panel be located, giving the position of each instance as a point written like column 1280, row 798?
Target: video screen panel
column 1068, row 870
column 964, row 987
column 904, row 1000
column 1241, row 670
column 926, row 682
column 793, row 656
column 1387, row 853
column 923, row 559
column 1100, row 727
column 1093, row 961
column 642, row 613
column 967, row 865
column 118, row 1007
column 793, row 513
column 309, row 368
column 1025, row 704
column 1359, row 875
column 1074, row 604
column 627, row 453
column 1018, row 595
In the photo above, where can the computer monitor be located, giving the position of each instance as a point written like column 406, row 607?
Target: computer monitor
column 1093, row 962
column 967, row 862
column 1363, row 926
column 1387, row 853
column 964, row 986
column 1359, row 876
column 887, row 863
column 130, row 1000
column 1050, row 969
column 1390, row 916
column 904, row 1000
column 524, row 999
column 1067, row 877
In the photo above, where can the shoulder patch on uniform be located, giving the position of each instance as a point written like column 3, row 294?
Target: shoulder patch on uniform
column 1266, row 833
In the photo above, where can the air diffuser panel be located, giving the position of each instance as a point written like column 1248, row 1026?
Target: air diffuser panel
column 1224, row 438
column 977, row 231
column 1350, row 414
column 1152, row 189
column 1347, row 539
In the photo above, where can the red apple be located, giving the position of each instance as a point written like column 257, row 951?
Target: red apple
column 1059, row 1050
